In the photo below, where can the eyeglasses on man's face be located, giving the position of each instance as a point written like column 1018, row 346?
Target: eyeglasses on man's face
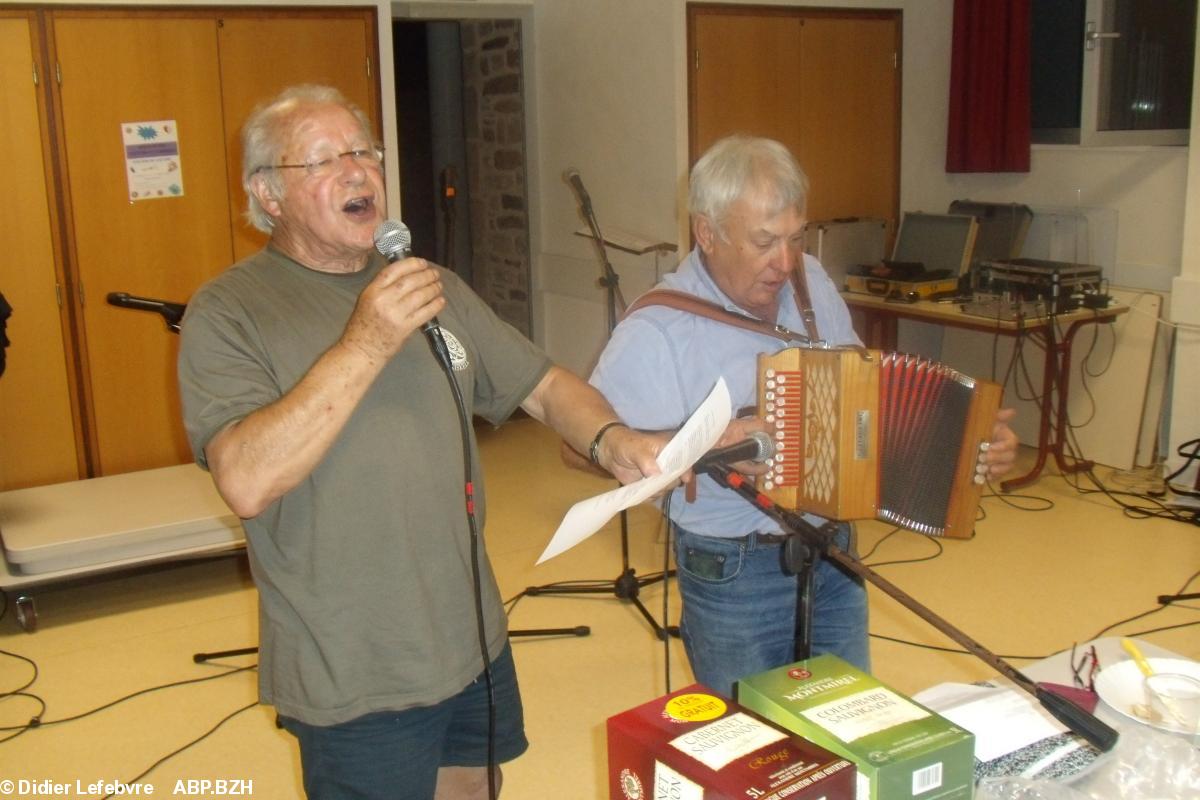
column 324, row 165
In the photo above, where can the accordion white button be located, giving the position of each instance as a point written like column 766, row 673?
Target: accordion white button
column 980, row 480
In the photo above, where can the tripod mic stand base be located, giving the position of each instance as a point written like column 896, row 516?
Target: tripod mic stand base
column 578, row 630
column 626, row 586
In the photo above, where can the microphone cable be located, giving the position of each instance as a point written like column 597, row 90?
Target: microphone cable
column 437, row 346
column 393, row 240
column 666, row 582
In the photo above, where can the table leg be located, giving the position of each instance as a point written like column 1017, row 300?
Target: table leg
column 1045, row 408
column 1063, row 421
column 878, row 330
column 1056, row 376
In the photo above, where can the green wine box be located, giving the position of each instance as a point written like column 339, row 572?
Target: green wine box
column 902, row 749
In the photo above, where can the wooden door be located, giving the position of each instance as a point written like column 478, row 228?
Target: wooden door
column 744, row 69
column 823, row 82
column 263, row 54
column 118, row 68
column 851, row 114
column 37, row 433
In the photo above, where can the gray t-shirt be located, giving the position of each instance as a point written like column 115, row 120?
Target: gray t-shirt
column 363, row 569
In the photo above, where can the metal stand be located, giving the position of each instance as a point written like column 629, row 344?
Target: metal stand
column 628, row 584
column 818, row 541
column 172, row 314
column 625, row 586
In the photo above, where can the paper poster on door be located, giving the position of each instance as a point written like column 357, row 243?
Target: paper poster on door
column 152, row 162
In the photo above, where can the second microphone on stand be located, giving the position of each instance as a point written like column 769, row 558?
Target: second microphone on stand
column 759, row 447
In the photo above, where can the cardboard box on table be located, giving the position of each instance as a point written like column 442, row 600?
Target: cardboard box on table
column 902, row 749
column 694, row 744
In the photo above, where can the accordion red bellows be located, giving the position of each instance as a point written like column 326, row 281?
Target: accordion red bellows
column 861, row 434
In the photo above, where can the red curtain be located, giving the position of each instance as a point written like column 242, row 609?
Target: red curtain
column 989, row 87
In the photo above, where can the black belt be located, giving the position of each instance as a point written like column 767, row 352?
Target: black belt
column 763, row 538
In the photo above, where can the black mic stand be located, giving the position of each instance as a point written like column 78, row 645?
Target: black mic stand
column 172, row 313
column 628, row 584
column 805, row 542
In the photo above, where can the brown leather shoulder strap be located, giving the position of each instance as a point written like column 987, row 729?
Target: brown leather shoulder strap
column 804, row 302
column 683, row 301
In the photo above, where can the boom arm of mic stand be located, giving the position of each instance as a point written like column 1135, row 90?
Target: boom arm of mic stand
column 609, row 279
column 1077, row 719
column 172, row 313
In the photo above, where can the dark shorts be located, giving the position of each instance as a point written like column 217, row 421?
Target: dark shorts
column 396, row 754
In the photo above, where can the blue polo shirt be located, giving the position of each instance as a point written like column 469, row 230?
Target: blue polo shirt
column 661, row 363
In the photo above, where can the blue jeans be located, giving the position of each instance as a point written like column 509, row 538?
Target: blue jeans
column 739, row 608
column 395, row 755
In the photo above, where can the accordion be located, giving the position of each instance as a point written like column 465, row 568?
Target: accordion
column 861, row 434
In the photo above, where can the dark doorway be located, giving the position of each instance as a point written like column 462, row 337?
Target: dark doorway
column 461, row 124
column 429, row 108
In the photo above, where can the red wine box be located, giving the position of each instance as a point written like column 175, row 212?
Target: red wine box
column 902, row 750
column 694, row 744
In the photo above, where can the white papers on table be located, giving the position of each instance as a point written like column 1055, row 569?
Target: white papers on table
column 695, row 438
column 1003, row 719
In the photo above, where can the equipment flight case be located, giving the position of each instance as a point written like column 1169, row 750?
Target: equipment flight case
column 1060, row 286
column 931, row 254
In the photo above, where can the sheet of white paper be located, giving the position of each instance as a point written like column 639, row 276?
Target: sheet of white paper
column 695, row 438
column 1003, row 720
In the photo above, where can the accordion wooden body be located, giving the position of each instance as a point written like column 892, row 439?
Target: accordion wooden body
column 862, row 434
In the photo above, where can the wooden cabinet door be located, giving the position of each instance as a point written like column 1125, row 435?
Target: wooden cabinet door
column 851, row 116
column 37, row 434
column 824, row 83
column 744, row 70
column 122, row 67
column 261, row 55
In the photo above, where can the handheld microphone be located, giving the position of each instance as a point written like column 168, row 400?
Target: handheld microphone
column 571, row 176
column 759, row 447
column 393, row 240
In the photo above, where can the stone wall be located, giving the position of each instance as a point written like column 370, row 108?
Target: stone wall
column 494, row 119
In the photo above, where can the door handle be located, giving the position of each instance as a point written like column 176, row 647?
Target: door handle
column 1090, row 37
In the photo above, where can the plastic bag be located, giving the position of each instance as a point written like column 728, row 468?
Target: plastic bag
column 1145, row 765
